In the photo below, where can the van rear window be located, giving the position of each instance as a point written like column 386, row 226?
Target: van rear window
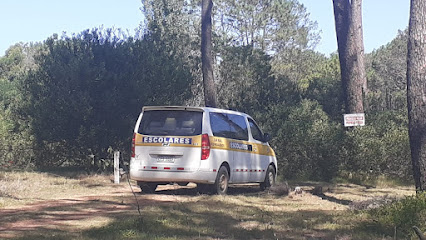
column 171, row 123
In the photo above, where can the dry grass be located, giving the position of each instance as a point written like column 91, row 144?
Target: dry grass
column 20, row 188
column 91, row 207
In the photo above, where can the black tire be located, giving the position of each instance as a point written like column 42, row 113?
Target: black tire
column 148, row 187
column 222, row 181
column 269, row 179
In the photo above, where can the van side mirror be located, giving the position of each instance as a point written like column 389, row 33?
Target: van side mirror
column 266, row 137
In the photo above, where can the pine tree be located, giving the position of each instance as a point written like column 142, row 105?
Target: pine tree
column 348, row 19
column 210, row 98
column 416, row 84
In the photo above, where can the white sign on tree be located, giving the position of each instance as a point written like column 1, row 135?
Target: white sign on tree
column 354, row 119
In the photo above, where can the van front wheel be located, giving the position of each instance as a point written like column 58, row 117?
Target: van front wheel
column 269, row 178
column 222, row 181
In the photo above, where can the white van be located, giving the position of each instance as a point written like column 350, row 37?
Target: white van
column 208, row 146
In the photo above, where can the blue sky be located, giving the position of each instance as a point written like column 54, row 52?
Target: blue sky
column 35, row 20
column 381, row 21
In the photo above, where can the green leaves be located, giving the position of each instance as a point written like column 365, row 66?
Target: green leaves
column 306, row 141
column 245, row 81
column 387, row 68
column 272, row 25
column 88, row 90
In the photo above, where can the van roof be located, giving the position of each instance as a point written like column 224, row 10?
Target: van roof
column 190, row 108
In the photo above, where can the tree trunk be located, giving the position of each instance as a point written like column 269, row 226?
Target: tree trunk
column 348, row 19
column 416, row 90
column 210, row 98
column 359, row 41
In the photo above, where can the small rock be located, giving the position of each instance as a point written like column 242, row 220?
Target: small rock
column 298, row 190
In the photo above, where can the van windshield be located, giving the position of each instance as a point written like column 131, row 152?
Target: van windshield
column 171, row 123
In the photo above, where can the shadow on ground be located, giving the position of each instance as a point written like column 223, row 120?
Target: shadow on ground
column 175, row 212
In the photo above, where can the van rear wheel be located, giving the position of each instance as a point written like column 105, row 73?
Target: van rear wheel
column 148, row 187
column 222, row 181
column 269, row 178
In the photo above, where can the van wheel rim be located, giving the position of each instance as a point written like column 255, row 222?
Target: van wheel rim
column 271, row 178
column 222, row 182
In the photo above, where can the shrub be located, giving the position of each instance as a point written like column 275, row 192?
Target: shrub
column 379, row 148
column 306, row 141
column 403, row 215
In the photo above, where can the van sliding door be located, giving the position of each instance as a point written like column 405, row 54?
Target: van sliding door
column 259, row 158
column 233, row 128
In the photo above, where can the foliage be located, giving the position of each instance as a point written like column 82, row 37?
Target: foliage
column 298, row 65
column 71, row 97
column 403, row 215
column 323, row 85
column 174, row 27
column 15, row 138
column 386, row 69
column 271, row 25
column 88, row 90
column 381, row 147
column 306, row 141
column 245, row 77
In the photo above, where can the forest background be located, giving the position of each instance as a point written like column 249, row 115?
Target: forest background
column 74, row 98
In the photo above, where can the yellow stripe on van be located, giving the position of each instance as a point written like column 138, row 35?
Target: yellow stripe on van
column 195, row 141
column 240, row 146
column 172, row 141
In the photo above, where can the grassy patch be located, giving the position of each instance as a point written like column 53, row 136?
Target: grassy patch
column 400, row 216
column 243, row 217
column 81, row 206
column 20, row 188
column 218, row 218
column 371, row 179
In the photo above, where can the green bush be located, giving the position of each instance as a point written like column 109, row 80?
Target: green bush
column 379, row 148
column 16, row 149
column 403, row 215
column 307, row 143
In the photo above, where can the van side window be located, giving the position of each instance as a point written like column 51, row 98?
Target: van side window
column 255, row 130
column 239, row 127
column 229, row 126
column 219, row 125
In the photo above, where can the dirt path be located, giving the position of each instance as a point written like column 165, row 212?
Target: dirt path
column 77, row 214
column 62, row 214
